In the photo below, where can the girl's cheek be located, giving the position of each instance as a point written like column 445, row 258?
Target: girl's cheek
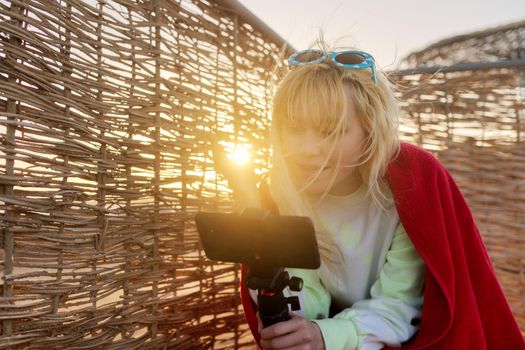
column 291, row 142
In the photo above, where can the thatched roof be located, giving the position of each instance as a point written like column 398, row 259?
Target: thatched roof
column 505, row 42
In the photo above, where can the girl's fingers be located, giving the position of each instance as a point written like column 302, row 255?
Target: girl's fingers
column 297, row 333
column 284, row 342
column 282, row 328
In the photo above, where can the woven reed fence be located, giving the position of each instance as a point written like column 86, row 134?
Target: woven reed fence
column 105, row 112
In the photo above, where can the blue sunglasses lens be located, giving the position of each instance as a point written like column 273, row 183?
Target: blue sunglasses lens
column 349, row 58
column 308, row 56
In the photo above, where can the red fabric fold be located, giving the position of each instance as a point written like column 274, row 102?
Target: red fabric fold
column 464, row 306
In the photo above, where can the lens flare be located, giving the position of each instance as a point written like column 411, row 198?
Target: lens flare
column 240, row 155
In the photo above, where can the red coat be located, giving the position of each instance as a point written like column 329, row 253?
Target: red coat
column 464, row 306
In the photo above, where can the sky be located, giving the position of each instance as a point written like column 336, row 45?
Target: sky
column 388, row 29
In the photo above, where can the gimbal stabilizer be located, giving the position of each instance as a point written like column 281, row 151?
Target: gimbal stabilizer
column 270, row 283
column 265, row 243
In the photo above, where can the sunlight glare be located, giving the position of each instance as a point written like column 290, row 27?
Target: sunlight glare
column 240, row 155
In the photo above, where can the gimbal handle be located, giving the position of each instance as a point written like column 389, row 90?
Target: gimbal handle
column 270, row 283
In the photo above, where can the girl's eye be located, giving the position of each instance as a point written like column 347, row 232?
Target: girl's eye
column 331, row 132
column 327, row 132
column 295, row 128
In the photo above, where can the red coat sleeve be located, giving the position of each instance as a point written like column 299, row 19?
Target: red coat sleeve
column 464, row 306
column 250, row 308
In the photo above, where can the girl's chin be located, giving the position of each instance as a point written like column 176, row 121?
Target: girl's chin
column 342, row 186
column 316, row 188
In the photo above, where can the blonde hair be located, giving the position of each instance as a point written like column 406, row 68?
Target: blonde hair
column 314, row 92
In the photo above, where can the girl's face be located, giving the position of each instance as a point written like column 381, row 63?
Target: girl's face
column 306, row 149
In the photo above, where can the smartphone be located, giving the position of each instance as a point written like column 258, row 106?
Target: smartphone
column 257, row 237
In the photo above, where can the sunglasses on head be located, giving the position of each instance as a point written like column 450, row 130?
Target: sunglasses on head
column 349, row 59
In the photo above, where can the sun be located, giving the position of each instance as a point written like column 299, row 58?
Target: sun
column 240, row 155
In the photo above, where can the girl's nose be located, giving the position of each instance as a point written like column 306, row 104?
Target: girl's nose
column 311, row 142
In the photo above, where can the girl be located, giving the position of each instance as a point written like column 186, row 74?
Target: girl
column 403, row 264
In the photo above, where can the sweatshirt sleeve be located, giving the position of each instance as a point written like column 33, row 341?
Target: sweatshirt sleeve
column 391, row 315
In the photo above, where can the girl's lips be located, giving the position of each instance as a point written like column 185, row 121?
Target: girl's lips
column 309, row 168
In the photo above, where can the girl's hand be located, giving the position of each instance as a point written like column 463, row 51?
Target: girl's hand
column 296, row 333
column 241, row 178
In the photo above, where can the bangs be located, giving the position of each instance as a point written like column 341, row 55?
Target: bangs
column 311, row 95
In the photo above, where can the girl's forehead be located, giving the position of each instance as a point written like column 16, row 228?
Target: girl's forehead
column 316, row 108
column 306, row 119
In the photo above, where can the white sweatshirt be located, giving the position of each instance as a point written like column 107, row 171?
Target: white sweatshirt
column 378, row 290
